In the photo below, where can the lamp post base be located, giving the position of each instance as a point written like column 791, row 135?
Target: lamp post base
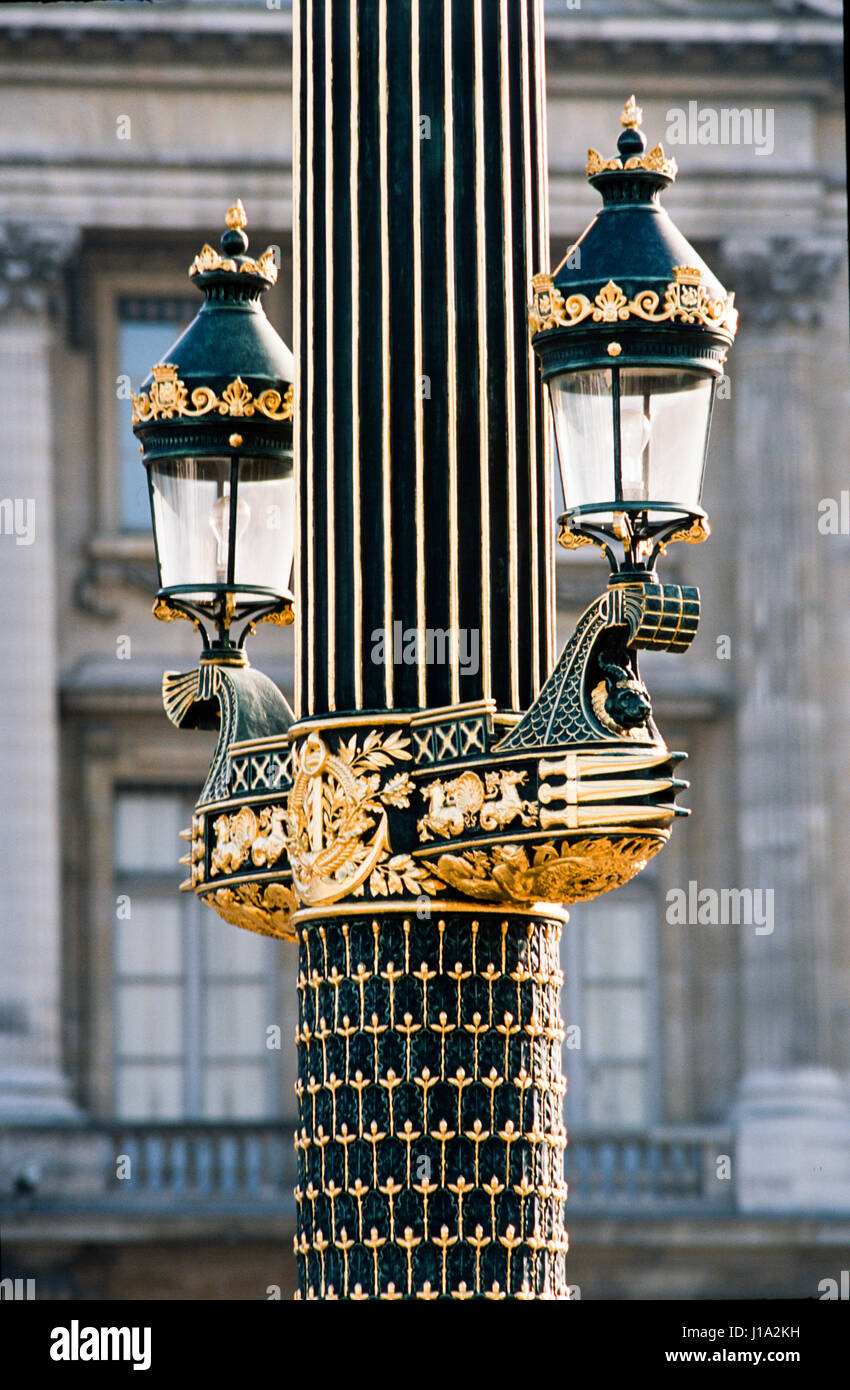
column 430, row 1141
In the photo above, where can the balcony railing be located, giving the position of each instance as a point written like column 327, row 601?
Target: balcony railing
column 209, row 1169
column 654, row 1171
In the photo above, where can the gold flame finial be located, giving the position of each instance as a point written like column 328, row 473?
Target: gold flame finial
column 236, row 217
column 632, row 115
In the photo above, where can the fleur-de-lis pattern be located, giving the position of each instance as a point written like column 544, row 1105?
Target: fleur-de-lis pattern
column 430, row 1140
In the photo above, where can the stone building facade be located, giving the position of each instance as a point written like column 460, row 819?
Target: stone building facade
column 146, row 1055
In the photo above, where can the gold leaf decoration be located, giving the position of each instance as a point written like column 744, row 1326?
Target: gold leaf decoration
column 169, row 397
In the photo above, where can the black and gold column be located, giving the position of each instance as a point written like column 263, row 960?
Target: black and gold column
column 430, row 1139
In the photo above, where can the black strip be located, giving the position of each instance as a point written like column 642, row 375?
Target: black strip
column 469, row 442
column 435, row 351
column 342, row 404
column 371, row 358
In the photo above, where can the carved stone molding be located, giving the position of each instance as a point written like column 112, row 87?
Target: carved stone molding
column 781, row 281
column 32, row 258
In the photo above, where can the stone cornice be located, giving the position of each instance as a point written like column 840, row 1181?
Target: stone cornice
column 137, row 31
column 32, row 258
column 781, row 281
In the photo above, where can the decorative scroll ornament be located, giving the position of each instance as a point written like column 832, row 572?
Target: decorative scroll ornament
column 686, row 300
column 169, row 396
column 572, row 872
column 337, row 832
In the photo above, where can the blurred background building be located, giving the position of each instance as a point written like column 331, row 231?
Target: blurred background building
column 146, row 1098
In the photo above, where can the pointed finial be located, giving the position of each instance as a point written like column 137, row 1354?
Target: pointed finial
column 236, row 218
column 632, row 115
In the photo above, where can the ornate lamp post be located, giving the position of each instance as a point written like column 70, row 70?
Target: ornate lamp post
column 414, row 830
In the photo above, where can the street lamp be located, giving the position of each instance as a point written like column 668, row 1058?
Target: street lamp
column 421, row 851
column 632, row 331
column 215, row 423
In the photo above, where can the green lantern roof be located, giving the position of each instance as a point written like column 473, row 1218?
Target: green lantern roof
column 230, row 373
column 632, row 287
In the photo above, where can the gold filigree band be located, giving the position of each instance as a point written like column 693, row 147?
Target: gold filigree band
column 169, row 396
column 687, row 300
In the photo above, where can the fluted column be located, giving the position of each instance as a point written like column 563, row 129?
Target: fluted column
column 31, row 1081
column 420, row 216
column 430, row 1141
column 780, row 718
column 792, row 1115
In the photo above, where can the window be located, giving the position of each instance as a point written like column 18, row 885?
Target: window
column 148, row 325
column 609, row 963
column 193, row 994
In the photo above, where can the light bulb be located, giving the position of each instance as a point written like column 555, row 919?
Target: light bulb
column 635, row 434
column 220, row 523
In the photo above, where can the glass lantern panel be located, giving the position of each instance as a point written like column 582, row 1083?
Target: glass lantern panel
column 664, row 422
column 191, row 503
column 265, row 526
column 584, row 429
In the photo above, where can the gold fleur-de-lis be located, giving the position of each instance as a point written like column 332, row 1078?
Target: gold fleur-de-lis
column 425, row 1190
column 346, row 1140
column 522, row 1081
column 460, row 1081
column 391, row 975
column 358, row 1192
column 359, row 1084
column 408, row 1028
column 510, row 1240
column 476, row 1028
column 524, row 1189
column 347, row 1031
column 376, row 1029
column 443, row 1027
column 493, row 1188
column 460, row 1189
column 408, row 1135
column 408, row 1243
column 508, row 1135
column 494, row 1292
column 374, row 1242
column 390, row 1082
column 444, row 1242
column 509, row 1029
column 478, row 1135
column 333, row 1084
column 491, row 975
column 344, row 1243
column 362, row 976
column 462, row 1291
column 374, row 1136
column 492, row 1081
column 427, row 1082
column 391, row 1292
column 391, row 1190
column 358, row 1295
column 458, row 975
column 321, row 1244
column 426, row 1292
column 443, row 1135
column 423, row 975
column 479, row 1242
